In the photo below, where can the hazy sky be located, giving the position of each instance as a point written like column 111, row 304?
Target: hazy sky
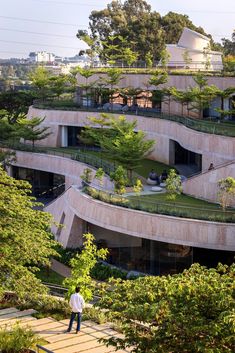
column 51, row 25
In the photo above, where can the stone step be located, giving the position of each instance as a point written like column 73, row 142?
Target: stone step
column 19, row 314
column 8, row 311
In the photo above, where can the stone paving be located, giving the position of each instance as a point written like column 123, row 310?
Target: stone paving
column 54, row 332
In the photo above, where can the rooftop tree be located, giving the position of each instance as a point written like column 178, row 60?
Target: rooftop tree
column 202, row 94
column 31, row 129
column 127, row 147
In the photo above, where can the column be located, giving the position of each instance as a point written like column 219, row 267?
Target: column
column 64, row 136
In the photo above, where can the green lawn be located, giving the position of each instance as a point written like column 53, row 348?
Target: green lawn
column 183, row 206
column 181, row 200
column 143, row 170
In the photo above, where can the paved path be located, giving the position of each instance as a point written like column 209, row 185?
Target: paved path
column 54, row 332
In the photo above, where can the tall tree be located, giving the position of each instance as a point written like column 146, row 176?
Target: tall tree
column 144, row 30
column 81, row 266
column 16, row 103
column 229, row 45
column 39, row 78
column 173, row 25
column 25, row 238
column 114, row 76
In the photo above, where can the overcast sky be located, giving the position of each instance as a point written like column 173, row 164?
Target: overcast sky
column 51, row 25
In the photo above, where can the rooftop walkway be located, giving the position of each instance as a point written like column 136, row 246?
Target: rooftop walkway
column 53, row 332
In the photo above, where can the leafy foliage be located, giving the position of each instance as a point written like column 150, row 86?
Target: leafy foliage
column 173, row 185
column 146, row 37
column 17, row 340
column 120, row 179
column 30, row 129
column 25, row 238
column 226, row 192
column 127, row 147
column 189, row 312
column 81, row 266
column 103, row 272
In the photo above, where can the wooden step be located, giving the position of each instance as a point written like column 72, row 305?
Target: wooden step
column 72, row 342
column 19, row 314
column 8, row 311
column 61, row 337
column 39, row 322
column 25, row 319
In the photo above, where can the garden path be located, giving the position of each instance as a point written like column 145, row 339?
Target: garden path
column 54, row 332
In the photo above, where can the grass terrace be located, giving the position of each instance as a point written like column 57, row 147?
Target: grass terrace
column 184, row 206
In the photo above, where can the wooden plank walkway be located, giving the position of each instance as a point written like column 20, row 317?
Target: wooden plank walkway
column 54, row 332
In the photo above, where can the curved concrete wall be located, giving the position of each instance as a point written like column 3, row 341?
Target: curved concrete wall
column 182, row 82
column 214, row 148
column 140, row 224
column 136, row 223
column 205, row 185
column 69, row 168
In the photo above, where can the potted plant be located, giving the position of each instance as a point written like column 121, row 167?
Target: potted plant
column 17, row 339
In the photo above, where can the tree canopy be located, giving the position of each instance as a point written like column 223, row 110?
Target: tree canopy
column 229, row 45
column 189, row 312
column 144, row 31
column 25, row 237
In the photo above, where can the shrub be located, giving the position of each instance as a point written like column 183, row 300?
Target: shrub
column 95, row 314
column 17, row 340
column 103, row 272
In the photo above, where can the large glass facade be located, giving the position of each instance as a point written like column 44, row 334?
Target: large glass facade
column 44, row 184
column 143, row 255
column 154, row 257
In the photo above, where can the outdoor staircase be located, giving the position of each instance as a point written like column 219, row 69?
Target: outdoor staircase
column 54, row 332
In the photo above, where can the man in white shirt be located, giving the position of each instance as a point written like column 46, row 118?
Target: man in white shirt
column 76, row 304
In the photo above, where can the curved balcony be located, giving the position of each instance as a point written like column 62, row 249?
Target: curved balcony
column 171, row 229
column 213, row 148
column 174, row 230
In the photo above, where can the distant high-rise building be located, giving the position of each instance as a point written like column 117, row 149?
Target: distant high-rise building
column 41, row 56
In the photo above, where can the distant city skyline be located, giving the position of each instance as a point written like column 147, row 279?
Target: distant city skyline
column 51, row 25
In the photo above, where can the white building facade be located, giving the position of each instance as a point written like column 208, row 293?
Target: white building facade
column 193, row 52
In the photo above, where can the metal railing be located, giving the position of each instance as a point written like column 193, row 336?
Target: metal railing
column 210, row 127
column 41, row 349
column 56, row 289
column 138, row 203
column 170, row 208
